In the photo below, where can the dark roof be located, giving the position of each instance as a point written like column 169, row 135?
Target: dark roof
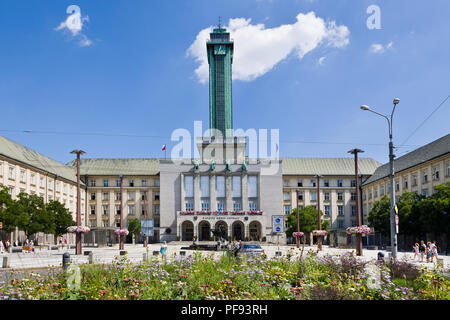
column 423, row 154
column 114, row 166
column 328, row 166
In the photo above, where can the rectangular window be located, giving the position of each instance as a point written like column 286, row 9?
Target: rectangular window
column 354, row 211
column 189, row 186
column 340, row 224
column 300, row 196
column 253, row 206
column 131, row 210
column 287, row 209
column 105, row 183
column 425, row 192
column 65, row 188
column 105, row 224
column 313, row 196
column 327, row 196
column 340, row 210
column 425, row 176
column 370, row 194
column 131, row 183
column 105, row 196
column 118, row 196
column 286, row 183
column 326, row 183
column 93, row 223
column 92, row 195
column 236, row 186
column 11, row 191
column 156, row 209
column 220, row 206
column 32, row 179
column 204, row 186
column 327, row 210
column 414, row 182
column 353, row 196
column 117, row 223
column 22, row 176
column 252, row 187
column 405, row 183
column 397, row 185
column 237, row 206
column 313, row 183
column 447, row 169
column 364, row 196
column 353, row 222
column 220, row 186
column 300, row 183
column 118, row 210
column 144, row 183
column 11, row 173
column 117, row 183
column 353, row 183
column 205, row 205
column 131, row 196
column 382, row 190
column 156, row 183
column 92, row 209
column 189, row 206
column 156, row 196
column 435, row 174
column 339, row 183
column 144, row 195
column 41, row 182
column 340, row 196
column 92, row 183
column 287, row 196
column 106, row 210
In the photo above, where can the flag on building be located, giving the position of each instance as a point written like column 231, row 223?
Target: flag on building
column 164, row 147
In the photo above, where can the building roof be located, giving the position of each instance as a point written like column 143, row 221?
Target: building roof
column 15, row 151
column 328, row 166
column 114, row 166
column 423, row 154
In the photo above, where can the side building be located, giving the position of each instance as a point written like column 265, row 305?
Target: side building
column 337, row 189
column 25, row 170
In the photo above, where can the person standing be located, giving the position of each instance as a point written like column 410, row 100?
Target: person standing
column 1, row 246
column 163, row 250
column 422, row 250
column 428, row 251
column 416, row 250
column 434, row 251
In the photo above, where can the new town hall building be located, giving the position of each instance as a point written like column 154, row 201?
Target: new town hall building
column 222, row 190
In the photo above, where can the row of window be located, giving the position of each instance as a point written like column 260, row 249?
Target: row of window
column 23, row 179
column 131, row 196
column 131, row 183
column 325, row 183
column 105, row 223
column 205, row 206
column 327, row 210
column 220, row 186
column 131, row 209
column 313, row 195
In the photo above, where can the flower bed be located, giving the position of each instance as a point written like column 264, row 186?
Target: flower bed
column 320, row 233
column 76, row 229
column 298, row 234
column 363, row 230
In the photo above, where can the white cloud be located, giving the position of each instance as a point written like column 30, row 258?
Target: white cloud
column 321, row 60
column 259, row 49
column 379, row 48
column 74, row 23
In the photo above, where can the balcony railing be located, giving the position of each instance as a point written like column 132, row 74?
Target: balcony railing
column 224, row 213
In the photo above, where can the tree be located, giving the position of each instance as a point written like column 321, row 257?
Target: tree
column 308, row 221
column 379, row 216
column 7, row 216
column 134, row 227
column 61, row 217
column 33, row 215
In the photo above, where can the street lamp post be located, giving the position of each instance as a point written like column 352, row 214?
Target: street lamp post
column 319, row 223
column 78, row 248
column 391, row 176
column 145, row 218
column 298, row 222
column 359, row 249
column 121, row 236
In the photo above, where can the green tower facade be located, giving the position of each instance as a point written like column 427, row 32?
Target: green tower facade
column 220, row 58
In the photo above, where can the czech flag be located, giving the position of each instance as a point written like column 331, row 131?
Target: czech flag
column 163, row 147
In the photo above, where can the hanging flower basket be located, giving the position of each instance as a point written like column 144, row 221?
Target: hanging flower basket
column 320, row 233
column 121, row 232
column 75, row 229
column 298, row 234
column 363, row 230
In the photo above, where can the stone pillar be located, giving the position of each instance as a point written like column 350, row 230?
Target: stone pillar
column 246, row 230
column 197, row 193
column 182, row 194
column 212, row 193
column 195, row 229
column 228, row 193
column 244, row 192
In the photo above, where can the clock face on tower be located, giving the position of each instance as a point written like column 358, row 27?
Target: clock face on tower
column 220, row 49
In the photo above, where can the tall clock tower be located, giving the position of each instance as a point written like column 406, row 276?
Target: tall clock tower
column 220, row 58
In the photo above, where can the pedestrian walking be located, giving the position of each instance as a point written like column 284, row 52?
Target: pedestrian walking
column 422, row 250
column 434, row 251
column 163, row 250
column 428, row 251
column 7, row 245
column 416, row 250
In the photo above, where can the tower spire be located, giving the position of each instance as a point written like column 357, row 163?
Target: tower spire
column 219, row 22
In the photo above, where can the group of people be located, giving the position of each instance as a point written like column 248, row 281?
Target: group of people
column 28, row 246
column 4, row 246
column 429, row 250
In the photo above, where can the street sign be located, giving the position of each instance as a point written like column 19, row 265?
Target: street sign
column 396, row 223
column 147, row 227
column 278, row 224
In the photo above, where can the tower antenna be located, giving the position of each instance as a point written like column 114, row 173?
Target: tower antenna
column 219, row 22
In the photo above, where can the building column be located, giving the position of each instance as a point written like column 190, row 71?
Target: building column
column 212, row 193
column 197, row 193
column 196, row 230
column 228, row 193
column 244, row 192
column 182, row 194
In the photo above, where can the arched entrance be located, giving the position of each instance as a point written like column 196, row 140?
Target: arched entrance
column 187, row 231
column 237, row 231
column 255, row 230
column 221, row 230
column 204, row 231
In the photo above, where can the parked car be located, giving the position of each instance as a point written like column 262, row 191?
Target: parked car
column 251, row 249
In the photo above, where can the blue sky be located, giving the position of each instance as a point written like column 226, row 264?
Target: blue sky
column 123, row 92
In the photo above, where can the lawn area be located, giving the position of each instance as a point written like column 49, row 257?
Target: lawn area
column 198, row 277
